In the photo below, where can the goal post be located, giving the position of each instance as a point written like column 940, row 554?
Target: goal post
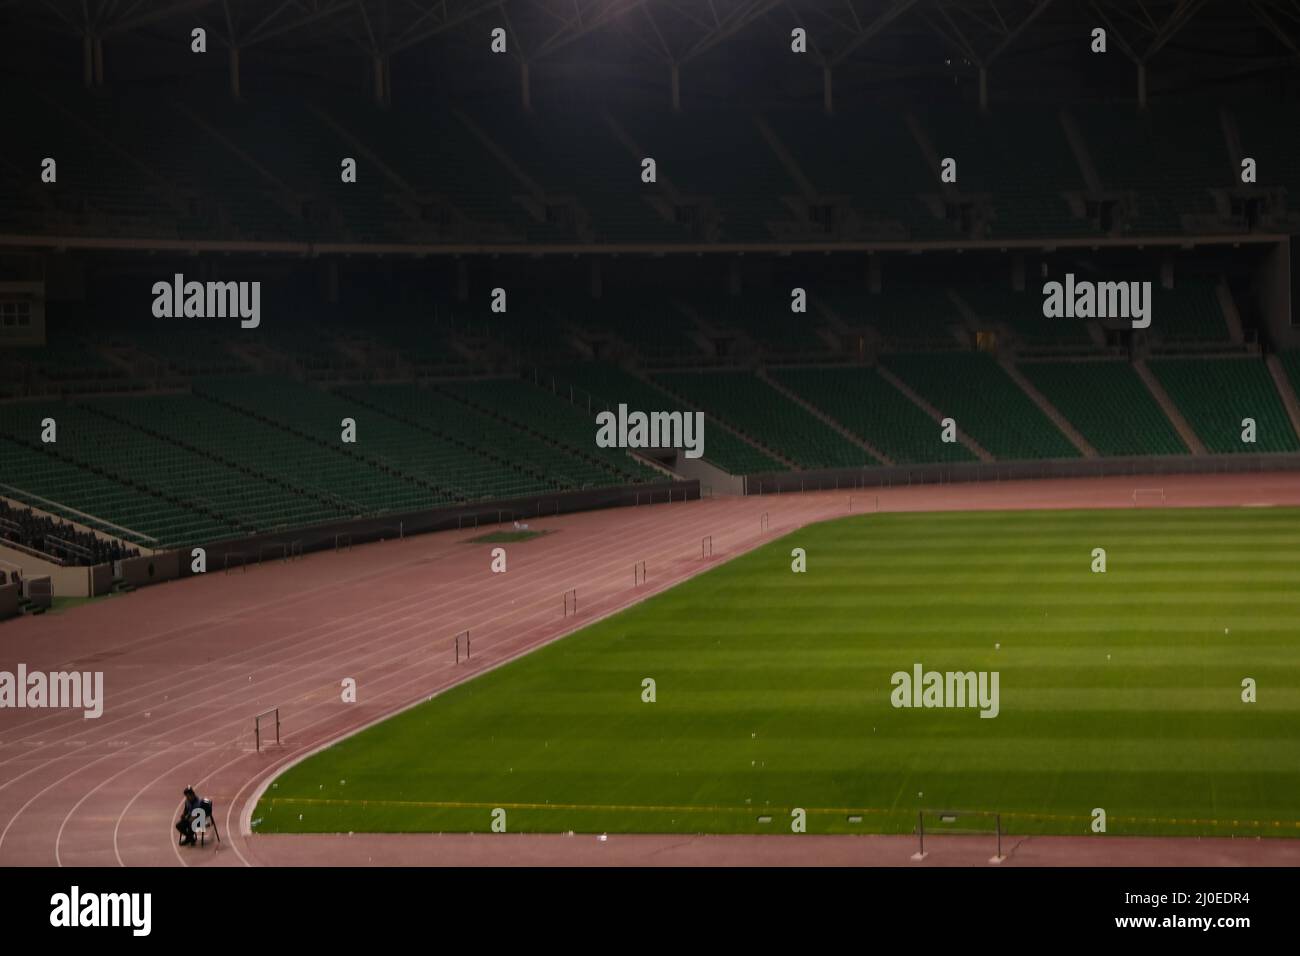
column 1148, row 497
column 979, row 825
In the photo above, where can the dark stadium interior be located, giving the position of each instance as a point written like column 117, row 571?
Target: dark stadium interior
column 887, row 413
column 522, row 171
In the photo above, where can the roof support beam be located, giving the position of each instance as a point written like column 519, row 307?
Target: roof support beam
column 873, row 29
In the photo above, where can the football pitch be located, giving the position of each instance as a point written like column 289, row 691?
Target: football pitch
column 774, row 690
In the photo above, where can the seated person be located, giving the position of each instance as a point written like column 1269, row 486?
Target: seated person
column 186, row 823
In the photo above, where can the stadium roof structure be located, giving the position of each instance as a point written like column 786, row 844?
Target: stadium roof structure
column 852, row 45
column 433, row 61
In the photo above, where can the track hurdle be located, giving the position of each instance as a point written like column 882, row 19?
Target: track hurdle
column 456, row 641
column 571, row 600
column 343, row 540
column 706, row 547
column 272, row 548
column 638, row 573
column 764, row 524
column 257, row 726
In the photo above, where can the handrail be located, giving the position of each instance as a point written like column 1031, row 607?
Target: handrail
column 74, row 511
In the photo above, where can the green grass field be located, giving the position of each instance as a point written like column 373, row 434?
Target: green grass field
column 1118, row 690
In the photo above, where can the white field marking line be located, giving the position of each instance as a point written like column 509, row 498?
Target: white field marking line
column 230, row 616
column 292, row 643
column 268, row 774
column 671, row 532
column 575, row 545
column 397, row 563
column 418, row 620
column 272, row 647
column 616, row 589
column 524, row 640
column 831, row 517
column 526, row 645
column 267, row 649
column 314, row 683
column 342, row 586
column 406, row 563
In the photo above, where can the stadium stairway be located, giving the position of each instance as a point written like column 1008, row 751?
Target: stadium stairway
column 1285, row 389
column 452, row 421
column 275, row 189
column 1218, row 394
column 818, row 413
column 1048, row 409
column 971, row 444
column 1108, row 403
column 750, row 405
column 1230, row 313
column 607, row 386
column 974, row 390
column 499, row 153
column 141, row 415
column 665, row 188
column 1185, row 431
column 530, row 408
column 312, row 415
column 783, row 156
column 862, row 401
column 763, row 453
column 161, row 492
column 406, row 197
column 1079, row 150
column 145, row 175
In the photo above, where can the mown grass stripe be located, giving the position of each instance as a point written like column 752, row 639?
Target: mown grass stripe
column 1118, row 690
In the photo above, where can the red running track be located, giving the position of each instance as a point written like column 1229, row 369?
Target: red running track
column 187, row 665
